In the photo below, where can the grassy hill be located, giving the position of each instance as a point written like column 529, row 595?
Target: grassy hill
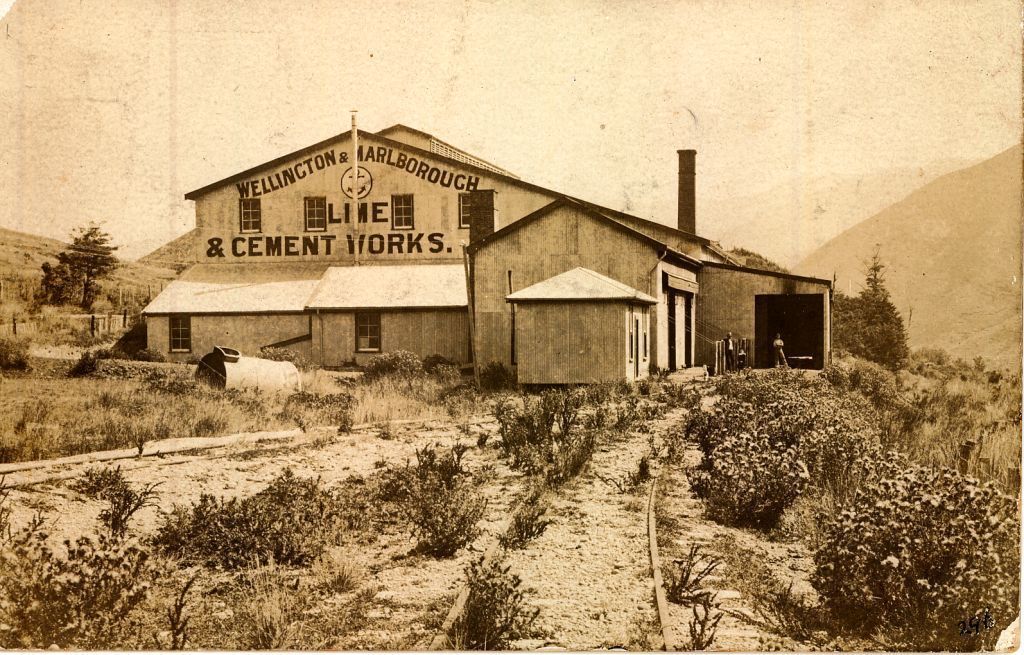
column 953, row 255
column 179, row 253
column 22, row 255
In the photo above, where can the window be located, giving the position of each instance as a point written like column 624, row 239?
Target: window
column 402, row 212
column 367, row 333
column 249, row 215
column 316, row 214
column 465, row 209
column 180, row 329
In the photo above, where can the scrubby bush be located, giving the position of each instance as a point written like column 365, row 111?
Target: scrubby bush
column 96, row 482
column 531, row 442
column 400, row 363
column 918, row 551
column 308, row 409
column 81, row 600
column 285, row 355
column 291, row 521
column 147, row 355
column 496, row 612
column 439, row 502
column 432, row 362
column 497, row 377
column 13, row 354
column 87, row 363
column 447, row 374
column 529, row 521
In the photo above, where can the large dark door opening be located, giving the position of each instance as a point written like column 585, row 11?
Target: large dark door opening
column 799, row 319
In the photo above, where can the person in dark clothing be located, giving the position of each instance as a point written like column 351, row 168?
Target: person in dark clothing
column 780, row 356
column 729, row 346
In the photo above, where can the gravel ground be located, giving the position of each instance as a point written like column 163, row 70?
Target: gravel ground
column 589, row 573
column 403, row 596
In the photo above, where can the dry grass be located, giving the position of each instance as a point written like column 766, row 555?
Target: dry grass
column 43, row 418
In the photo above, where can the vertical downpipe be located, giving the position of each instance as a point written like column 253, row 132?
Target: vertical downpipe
column 355, row 188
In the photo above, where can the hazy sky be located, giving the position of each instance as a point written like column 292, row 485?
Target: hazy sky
column 111, row 111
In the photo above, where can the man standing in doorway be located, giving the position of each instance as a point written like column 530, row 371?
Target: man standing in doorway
column 729, row 346
column 780, row 357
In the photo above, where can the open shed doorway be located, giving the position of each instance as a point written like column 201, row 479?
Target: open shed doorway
column 800, row 319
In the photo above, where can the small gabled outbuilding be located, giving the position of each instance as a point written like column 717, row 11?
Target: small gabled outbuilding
column 581, row 327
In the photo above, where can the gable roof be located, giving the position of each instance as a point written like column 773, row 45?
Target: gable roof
column 587, row 209
column 660, row 232
column 439, row 147
column 407, row 286
column 579, row 284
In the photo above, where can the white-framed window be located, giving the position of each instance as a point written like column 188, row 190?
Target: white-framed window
column 316, row 213
column 180, row 331
column 402, row 212
column 249, row 219
column 465, row 207
column 367, row 332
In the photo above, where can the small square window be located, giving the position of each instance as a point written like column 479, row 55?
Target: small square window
column 465, row 209
column 316, row 214
column 180, row 330
column 249, row 215
column 368, row 332
column 402, row 212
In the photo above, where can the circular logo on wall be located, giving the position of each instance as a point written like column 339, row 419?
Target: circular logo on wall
column 356, row 188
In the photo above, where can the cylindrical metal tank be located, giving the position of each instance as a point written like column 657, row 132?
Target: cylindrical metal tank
column 226, row 368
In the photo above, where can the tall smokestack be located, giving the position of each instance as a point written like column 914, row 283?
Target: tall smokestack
column 687, row 191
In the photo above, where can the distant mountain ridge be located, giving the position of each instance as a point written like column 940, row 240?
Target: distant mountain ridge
column 952, row 250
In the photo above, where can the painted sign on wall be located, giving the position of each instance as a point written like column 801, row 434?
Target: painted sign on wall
column 392, row 243
column 291, row 174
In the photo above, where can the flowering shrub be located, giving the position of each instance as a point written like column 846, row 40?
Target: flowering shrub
column 775, row 424
column 918, row 551
column 400, row 362
column 78, row 601
column 749, row 481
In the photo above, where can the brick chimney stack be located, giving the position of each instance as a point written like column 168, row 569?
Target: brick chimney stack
column 687, row 191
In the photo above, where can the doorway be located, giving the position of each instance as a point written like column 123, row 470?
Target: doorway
column 799, row 319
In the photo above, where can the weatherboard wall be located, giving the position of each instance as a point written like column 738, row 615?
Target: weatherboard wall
column 246, row 333
column 577, row 342
column 726, row 304
column 554, row 243
column 442, row 332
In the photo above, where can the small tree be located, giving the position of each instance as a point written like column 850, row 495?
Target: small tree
column 88, row 259
column 869, row 325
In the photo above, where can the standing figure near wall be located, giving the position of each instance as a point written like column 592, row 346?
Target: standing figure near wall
column 729, row 346
column 780, row 356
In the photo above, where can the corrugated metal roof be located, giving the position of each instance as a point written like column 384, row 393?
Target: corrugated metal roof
column 579, row 284
column 222, row 295
column 398, row 286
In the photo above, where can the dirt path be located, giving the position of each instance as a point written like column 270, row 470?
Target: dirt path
column 589, row 573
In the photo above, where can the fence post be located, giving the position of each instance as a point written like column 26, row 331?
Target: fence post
column 965, row 455
column 14, row 324
column 92, row 324
column 124, row 318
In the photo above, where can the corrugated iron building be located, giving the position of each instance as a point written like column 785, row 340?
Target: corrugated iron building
column 424, row 244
